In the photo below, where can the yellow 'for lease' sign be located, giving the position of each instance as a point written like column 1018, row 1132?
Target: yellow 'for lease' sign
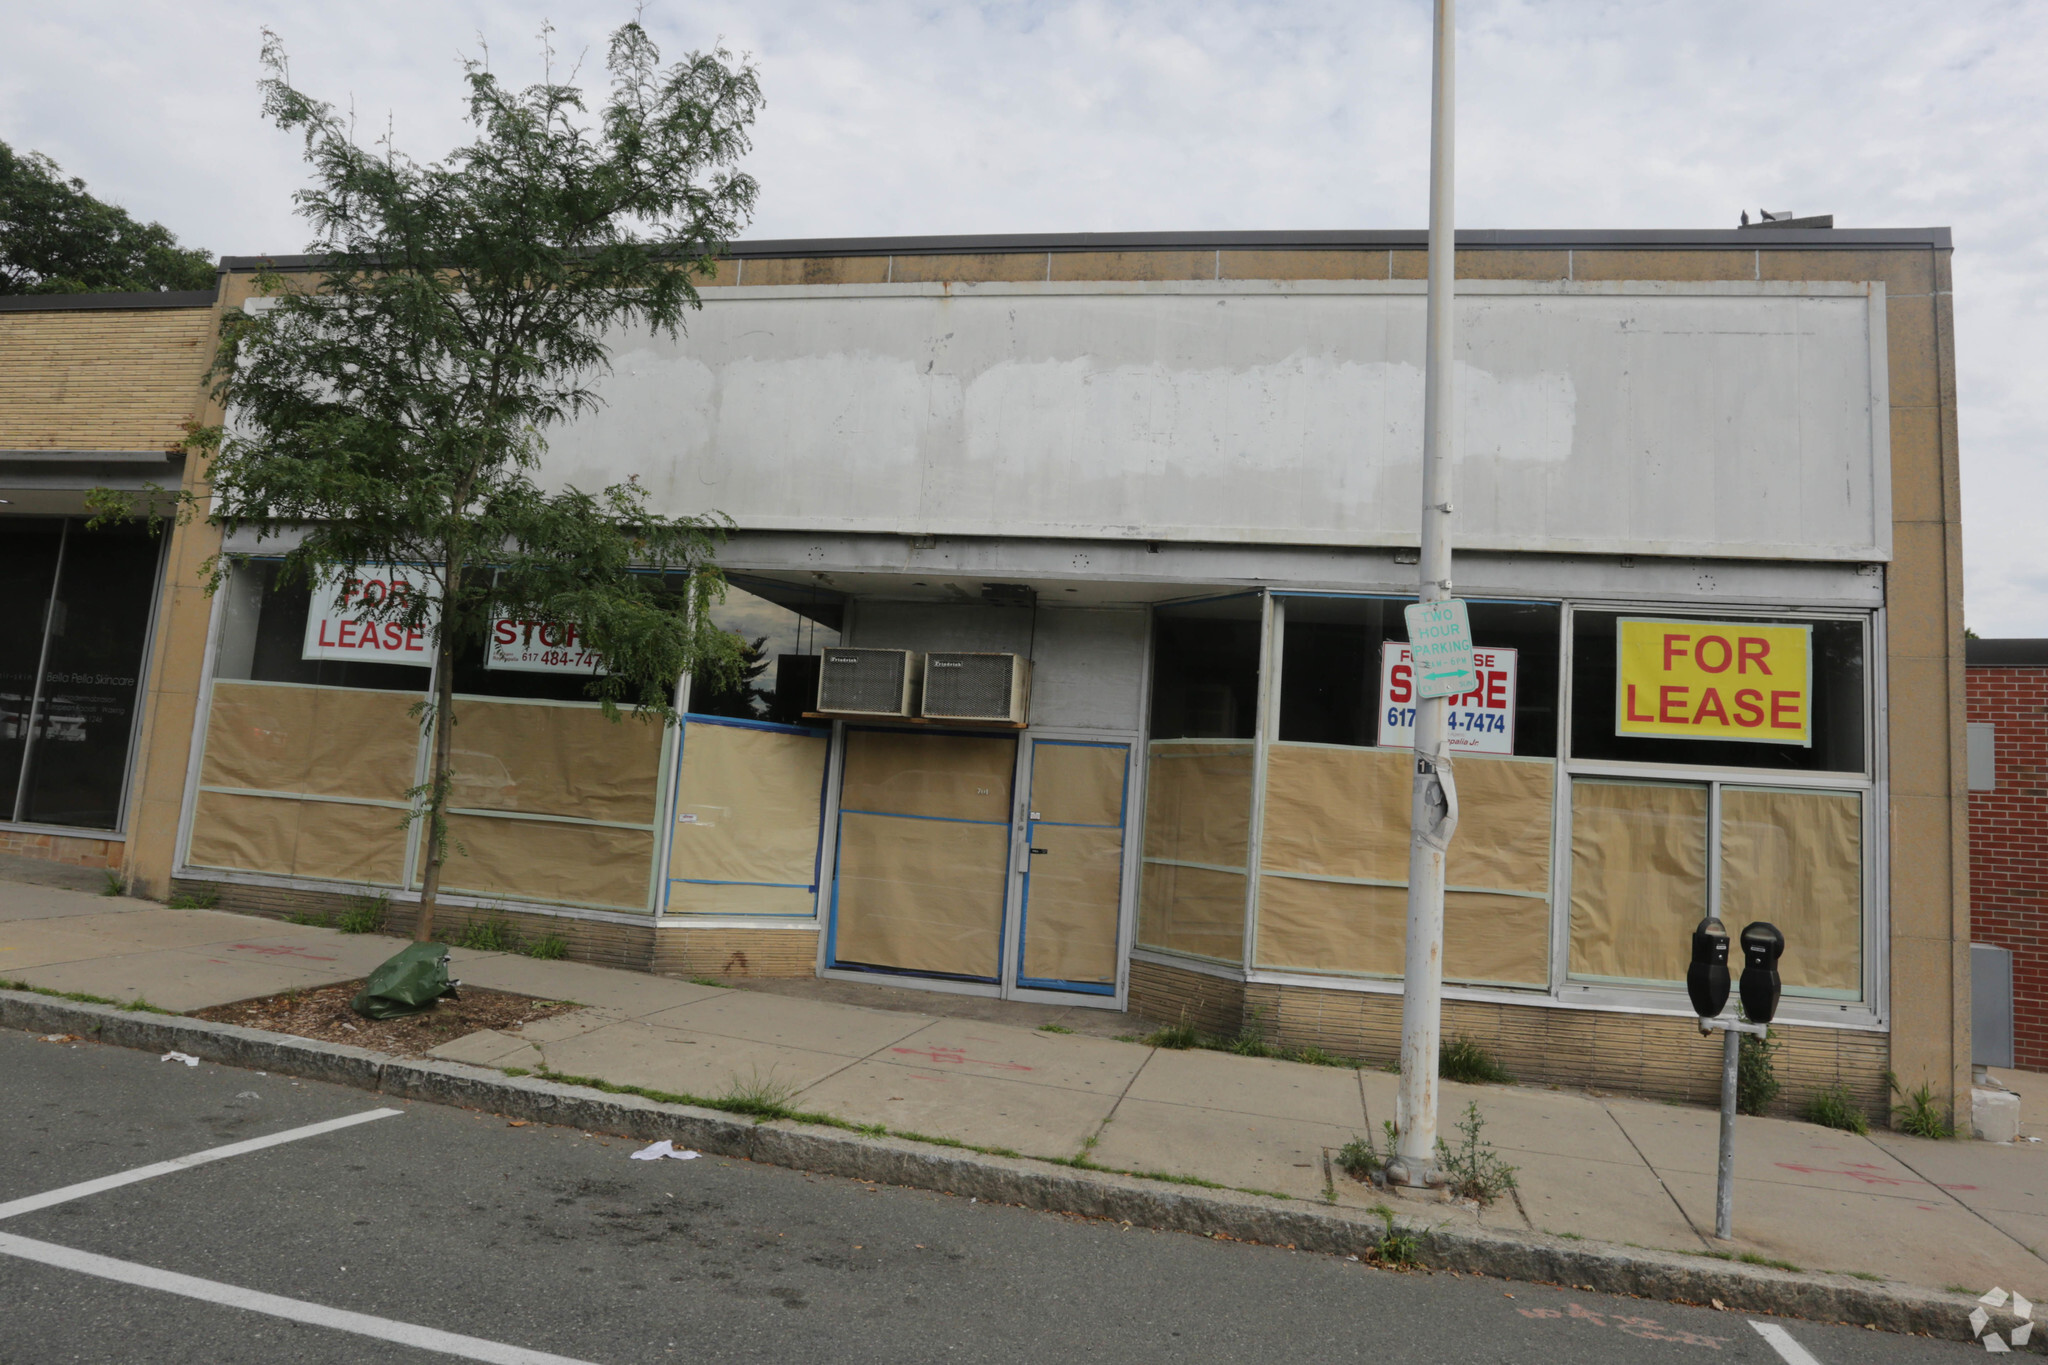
column 1715, row 680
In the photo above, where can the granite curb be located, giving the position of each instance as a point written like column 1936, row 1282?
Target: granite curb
column 1509, row 1254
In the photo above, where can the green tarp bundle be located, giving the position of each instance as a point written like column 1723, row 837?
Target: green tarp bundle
column 406, row 984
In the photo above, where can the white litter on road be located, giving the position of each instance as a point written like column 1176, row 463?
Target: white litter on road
column 180, row 1057
column 665, row 1148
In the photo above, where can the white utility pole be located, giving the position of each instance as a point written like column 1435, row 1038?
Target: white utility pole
column 1434, row 814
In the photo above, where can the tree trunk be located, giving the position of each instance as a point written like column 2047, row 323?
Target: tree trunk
column 437, row 778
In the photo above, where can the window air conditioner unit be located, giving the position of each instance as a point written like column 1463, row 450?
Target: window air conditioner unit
column 867, row 682
column 985, row 687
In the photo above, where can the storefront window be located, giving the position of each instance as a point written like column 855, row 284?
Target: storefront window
column 1712, row 676
column 263, row 638
column 782, row 630
column 1334, row 659
column 1198, row 804
column 71, row 684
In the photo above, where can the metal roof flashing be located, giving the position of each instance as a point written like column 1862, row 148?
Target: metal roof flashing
column 62, row 303
column 1471, row 239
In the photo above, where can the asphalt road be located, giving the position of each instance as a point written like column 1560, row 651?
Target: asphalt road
column 553, row 1240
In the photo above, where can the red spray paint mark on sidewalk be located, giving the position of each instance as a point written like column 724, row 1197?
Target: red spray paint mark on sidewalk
column 954, row 1056
column 1867, row 1172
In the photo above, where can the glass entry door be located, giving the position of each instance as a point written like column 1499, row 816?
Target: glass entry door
column 1074, row 868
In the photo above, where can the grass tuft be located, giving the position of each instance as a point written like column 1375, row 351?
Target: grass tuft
column 709, row 981
column 1054, row 1028
column 1919, row 1113
column 1364, row 1159
column 491, row 934
column 363, row 915
column 317, row 921
column 1832, row 1108
column 1398, row 1248
column 112, row 885
column 138, row 1004
column 548, row 947
column 1178, row 1037
column 193, row 900
column 1756, row 1072
column 1474, row 1169
column 1465, row 1058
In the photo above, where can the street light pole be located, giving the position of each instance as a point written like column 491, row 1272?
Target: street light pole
column 1433, row 815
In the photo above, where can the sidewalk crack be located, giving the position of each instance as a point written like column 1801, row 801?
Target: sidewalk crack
column 1651, row 1168
column 1955, row 1199
column 1088, row 1143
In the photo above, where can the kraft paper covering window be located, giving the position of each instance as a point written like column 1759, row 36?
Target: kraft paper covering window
column 1347, row 927
column 1192, row 910
column 1198, row 803
column 921, row 895
column 905, row 773
column 747, row 811
column 1078, row 784
column 544, row 860
column 322, row 741
column 329, row 839
column 1343, row 812
column 1639, row 878
column 1795, row 858
column 555, row 760
column 1071, row 902
column 695, row 898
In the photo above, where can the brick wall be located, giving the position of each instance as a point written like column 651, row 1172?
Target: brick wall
column 2009, row 846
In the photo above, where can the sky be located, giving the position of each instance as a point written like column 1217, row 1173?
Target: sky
column 911, row 118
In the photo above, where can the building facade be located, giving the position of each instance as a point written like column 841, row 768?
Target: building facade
column 1706, row 521
column 2008, row 780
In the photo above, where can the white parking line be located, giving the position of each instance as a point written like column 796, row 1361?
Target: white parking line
column 110, row 1182
column 294, row 1310
column 1782, row 1342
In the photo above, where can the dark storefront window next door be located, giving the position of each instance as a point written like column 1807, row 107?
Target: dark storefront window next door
column 71, row 683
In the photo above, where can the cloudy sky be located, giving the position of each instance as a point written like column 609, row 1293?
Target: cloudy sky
column 898, row 117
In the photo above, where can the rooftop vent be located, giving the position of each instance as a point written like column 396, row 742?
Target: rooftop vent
column 1788, row 220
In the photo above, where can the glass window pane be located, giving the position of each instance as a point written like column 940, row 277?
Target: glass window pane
column 1639, row 878
column 1331, row 665
column 1837, row 707
column 93, row 679
column 782, row 631
column 263, row 638
column 28, row 562
column 1205, row 669
column 1795, row 858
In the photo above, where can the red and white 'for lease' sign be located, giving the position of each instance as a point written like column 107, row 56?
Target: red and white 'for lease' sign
column 349, row 619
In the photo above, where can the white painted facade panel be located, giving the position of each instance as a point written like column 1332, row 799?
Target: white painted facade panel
column 1726, row 420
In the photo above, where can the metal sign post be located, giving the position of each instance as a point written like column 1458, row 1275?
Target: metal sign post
column 1433, row 813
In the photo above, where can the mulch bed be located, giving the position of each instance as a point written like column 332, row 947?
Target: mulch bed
column 324, row 1014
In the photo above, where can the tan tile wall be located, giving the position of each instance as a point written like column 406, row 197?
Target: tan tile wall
column 736, row 952
column 101, row 379
column 71, row 850
column 1174, row 995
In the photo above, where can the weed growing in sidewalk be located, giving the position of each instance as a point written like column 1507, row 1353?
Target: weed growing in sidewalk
column 1752, row 1258
column 1465, row 1058
column 762, row 1096
column 1920, row 1113
column 1397, row 1247
column 307, row 917
column 548, row 947
column 1178, row 1037
column 1474, row 1169
column 193, row 900
column 1054, row 1028
column 1831, row 1107
column 491, row 934
column 138, row 1004
column 1364, row 1159
column 708, row 981
column 363, row 915
column 112, row 884
column 1756, row 1072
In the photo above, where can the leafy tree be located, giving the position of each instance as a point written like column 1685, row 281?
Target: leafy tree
column 55, row 238
column 392, row 403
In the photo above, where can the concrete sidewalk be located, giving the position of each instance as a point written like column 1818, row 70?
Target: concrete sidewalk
column 1639, row 1173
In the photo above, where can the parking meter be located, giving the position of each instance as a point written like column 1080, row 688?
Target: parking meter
column 1706, row 980
column 1762, row 946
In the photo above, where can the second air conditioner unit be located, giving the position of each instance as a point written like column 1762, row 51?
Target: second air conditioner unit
column 983, row 687
column 867, row 682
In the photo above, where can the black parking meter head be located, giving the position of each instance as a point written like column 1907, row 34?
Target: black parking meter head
column 1762, row 946
column 1706, row 979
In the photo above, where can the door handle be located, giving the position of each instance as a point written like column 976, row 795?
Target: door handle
column 1041, row 850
